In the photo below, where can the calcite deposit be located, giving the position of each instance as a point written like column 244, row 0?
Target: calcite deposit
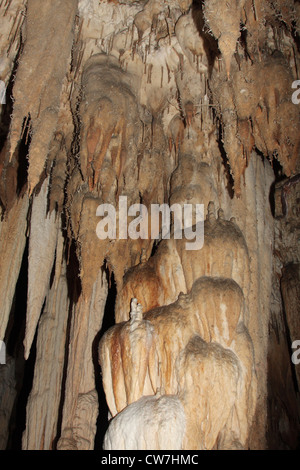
column 129, row 336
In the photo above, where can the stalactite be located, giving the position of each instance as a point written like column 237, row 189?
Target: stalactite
column 41, row 102
column 12, row 20
column 13, row 239
column 42, row 246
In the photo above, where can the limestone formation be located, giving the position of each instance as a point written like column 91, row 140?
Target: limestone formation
column 149, row 224
column 154, row 418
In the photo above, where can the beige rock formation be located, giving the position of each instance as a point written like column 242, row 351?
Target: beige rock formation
column 112, row 107
column 154, row 417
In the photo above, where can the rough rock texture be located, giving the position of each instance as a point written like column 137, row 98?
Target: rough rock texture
column 172, row 103
column 41, row 66
column 13, row 239
column 42, row 408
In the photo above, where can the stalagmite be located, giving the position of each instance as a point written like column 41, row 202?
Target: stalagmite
column 207, row 368
column 131, row 347
column 135, row 341
column 191, row 314
column 146, row 424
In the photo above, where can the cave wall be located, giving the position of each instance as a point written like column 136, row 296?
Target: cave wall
column 152, row 102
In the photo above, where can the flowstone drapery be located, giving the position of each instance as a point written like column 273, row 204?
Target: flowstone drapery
column 194, row 348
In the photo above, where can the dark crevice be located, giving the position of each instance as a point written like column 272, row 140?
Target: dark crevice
column 73, row 272
column 230, row 181
column 21, row 403
column 22, row 166
column 154, row 247
column 24, row 370
column 210, row 44
column 16, row 324
column 272, row 199
column 279, row 176
column 108, row 322
column 278, row 170
column 243, row 42
column 259, row 153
